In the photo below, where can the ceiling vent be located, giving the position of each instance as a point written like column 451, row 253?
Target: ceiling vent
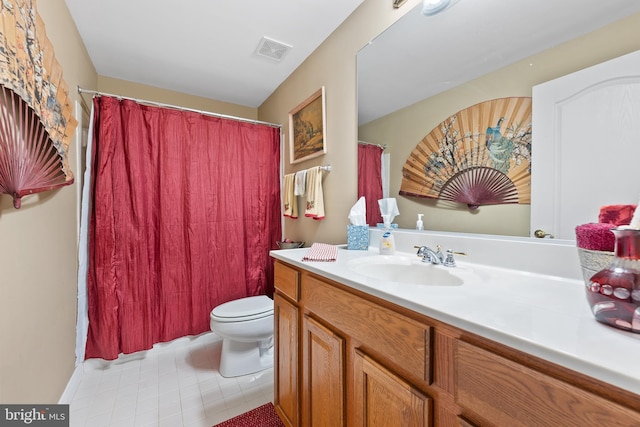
column 272, row 49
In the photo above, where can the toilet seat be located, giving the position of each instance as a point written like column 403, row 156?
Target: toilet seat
column 243, row 309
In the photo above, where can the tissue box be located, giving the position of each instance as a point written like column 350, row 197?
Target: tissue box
column 358, row 237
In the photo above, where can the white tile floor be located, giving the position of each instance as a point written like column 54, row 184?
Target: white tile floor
column 175, row 384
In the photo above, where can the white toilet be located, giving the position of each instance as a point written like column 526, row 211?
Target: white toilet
column 246, row 326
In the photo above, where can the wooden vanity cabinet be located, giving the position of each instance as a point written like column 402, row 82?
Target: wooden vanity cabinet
column 356, row 358
column 346, row 358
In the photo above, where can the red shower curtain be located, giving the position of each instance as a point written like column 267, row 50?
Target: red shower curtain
column 370, row 180
column 185, row 210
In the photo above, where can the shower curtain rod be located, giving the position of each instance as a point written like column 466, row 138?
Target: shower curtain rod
column 383, row 146
column 177, row 107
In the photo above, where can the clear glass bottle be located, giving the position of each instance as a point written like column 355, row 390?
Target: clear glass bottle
column 614, row 292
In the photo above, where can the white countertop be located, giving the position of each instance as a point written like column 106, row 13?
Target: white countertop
column 543, row 315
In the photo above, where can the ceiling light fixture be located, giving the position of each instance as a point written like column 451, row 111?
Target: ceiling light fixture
column 432, row 7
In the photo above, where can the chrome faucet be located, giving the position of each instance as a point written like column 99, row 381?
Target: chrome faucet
column 429, row 255
column 437, row 257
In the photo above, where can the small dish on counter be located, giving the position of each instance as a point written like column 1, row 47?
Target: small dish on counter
column 290, row 245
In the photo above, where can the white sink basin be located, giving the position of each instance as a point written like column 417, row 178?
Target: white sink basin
column 404, row 269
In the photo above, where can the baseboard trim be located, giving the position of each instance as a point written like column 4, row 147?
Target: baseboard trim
column 72, row 385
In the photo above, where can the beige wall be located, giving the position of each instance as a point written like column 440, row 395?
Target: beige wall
column 403, row 130
column 38, row 259
column 332, row 65
column 150, row 93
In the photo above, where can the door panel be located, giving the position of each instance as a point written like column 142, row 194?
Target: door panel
column 585, row 145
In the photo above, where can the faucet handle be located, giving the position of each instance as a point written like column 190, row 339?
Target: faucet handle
column 421, row 250
column 449, row 261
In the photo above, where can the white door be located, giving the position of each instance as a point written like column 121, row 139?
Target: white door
column 585, row 145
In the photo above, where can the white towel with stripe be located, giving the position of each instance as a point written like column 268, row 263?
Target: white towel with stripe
column 321, row 252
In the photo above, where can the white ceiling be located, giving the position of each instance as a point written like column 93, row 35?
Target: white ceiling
column 420, row 56
column 205, row 47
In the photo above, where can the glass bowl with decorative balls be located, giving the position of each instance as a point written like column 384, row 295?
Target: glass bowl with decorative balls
column 614, row 292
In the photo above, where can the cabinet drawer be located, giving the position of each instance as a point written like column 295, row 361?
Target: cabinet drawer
column 396, row 338
column 504, row 392
column 286, row 280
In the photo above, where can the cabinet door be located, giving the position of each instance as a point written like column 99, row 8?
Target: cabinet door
column 323, row 370
column 386, row 400
column 286, row 360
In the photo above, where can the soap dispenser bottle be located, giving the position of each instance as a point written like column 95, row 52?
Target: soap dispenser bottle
column 419, row 224
column 387, row 243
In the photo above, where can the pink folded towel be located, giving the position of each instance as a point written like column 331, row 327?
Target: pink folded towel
column 321, row 252
column 616, row 214
column 595, row 236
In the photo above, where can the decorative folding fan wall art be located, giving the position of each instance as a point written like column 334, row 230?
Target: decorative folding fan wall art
column 36, row 117
column 479, row 156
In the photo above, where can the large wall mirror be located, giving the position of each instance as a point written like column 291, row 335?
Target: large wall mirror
column 424, row 69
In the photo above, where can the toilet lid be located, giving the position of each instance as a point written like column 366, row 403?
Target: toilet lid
column 244, row 307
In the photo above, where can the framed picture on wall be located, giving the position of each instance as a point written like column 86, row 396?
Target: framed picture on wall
column 307, row 125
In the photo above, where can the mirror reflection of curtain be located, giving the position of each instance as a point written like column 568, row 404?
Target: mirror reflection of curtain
column 185, row 210
column 386, row 172
column 370, row 179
